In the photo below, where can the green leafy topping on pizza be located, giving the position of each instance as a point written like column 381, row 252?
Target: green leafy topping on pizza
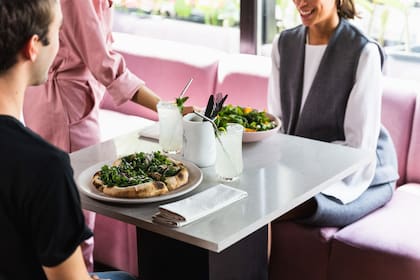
column 117, row 176
column 139, row 168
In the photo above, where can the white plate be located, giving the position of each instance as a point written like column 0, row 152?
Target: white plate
column 85, row 185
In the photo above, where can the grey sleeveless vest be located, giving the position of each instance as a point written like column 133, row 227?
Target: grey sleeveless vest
column 322, row 116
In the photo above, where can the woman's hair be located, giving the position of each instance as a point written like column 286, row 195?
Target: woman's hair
column 346, row 9
column 19, row 21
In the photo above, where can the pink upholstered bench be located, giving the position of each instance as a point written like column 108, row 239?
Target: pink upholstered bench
column 386, row 245
column 244, row 78
column 166, row 67
column 299, row 252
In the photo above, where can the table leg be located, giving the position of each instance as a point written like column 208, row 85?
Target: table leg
column 161, row 257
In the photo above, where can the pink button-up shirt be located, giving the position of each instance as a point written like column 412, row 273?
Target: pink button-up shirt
column 65, row 109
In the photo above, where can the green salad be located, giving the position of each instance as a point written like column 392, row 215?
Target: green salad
column 251, row 119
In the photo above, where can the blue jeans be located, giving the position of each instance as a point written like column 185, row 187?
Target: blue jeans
column 114, row 275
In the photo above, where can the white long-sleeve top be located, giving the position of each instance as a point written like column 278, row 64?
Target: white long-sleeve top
column 362, row 117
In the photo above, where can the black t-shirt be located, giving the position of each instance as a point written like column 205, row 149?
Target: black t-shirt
column 40, row 214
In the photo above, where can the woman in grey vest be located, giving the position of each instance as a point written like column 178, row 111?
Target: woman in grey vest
column 326, row 84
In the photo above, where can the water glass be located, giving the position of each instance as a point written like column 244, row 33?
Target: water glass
column 170, row 127
column 229, row 163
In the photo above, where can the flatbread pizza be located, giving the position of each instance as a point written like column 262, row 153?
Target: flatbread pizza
column 141, row 175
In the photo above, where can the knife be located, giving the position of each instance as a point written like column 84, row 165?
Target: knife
column 219, row 105
column 209, row 107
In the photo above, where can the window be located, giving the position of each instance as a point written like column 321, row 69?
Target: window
column 213, row 23
column 249, row 25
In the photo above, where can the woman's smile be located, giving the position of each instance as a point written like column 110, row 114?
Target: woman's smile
column 306, row 14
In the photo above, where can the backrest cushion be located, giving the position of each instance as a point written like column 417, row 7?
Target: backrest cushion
column 166, row 67
column 244, row 78
column 398, row 103
column 413, row 163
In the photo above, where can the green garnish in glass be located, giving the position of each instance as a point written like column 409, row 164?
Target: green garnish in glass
column 180, row 103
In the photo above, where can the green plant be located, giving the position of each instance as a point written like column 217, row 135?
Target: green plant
column 403, row 6
column 383, row 9
column 182, row 9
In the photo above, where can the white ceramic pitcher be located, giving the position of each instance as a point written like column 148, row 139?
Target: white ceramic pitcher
column 199, row 141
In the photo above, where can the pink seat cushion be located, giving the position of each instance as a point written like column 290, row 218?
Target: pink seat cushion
column 115, row 244
column 398, row 105
column 413, row 163
column 244, row 78
column 413, row 188
column 382, row 245
column 299, row 252
column 166, row 67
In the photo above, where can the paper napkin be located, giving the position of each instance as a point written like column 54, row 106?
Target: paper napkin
column 192, row 208
column 151, row 131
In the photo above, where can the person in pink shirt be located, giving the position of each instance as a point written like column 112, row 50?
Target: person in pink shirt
column 64, row 111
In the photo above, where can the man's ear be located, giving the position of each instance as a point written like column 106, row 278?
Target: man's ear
column 31, row 48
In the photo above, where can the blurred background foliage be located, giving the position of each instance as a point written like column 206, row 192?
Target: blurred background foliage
column 390, row 22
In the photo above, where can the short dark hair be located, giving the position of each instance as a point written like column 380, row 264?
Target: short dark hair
column 19, row 21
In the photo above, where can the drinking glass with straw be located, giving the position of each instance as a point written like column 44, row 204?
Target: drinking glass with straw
column 170, row 123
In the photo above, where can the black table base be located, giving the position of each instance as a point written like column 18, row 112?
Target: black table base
column 161, row 257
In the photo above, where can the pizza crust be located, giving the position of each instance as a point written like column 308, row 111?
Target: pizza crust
column 180, row 179
column 149, row 189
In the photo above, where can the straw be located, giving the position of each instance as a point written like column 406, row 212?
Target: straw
column 185, row 88
column 216, row 130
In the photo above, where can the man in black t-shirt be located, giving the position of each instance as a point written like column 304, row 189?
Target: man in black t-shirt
column 42, row 224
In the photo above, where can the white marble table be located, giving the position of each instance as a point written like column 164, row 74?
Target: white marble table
column 279, row 173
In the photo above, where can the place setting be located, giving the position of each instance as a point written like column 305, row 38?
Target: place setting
column 128, row 187
column 212, row 138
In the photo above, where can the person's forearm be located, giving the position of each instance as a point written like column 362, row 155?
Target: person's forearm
column 146, row 97
column 71, row 268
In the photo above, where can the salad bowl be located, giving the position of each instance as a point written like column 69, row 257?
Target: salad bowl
column 258, row 125
column 254, row 136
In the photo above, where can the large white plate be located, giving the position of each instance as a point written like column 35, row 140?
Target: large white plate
column 85, row 186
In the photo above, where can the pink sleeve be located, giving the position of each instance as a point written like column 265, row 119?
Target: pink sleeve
column 86, row 29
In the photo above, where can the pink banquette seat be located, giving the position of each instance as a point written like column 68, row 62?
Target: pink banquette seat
column 166, row 67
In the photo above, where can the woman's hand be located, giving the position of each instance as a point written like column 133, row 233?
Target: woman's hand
column 191, row 109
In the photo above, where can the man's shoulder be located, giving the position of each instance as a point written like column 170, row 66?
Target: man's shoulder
column 28, row 146
column 46, row 155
